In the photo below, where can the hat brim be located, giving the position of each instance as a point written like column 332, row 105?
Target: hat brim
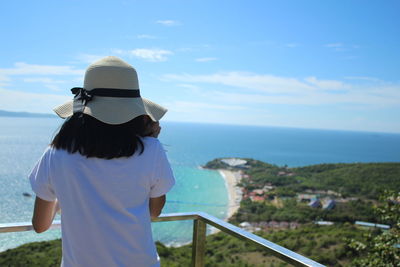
column 112, row 110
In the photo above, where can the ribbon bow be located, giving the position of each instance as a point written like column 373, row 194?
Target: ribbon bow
column 82, row 96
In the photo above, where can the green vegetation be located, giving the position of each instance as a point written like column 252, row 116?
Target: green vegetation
column 356, row 188
column 383, row 248
column 323, row 244
column 46, row 253
column 215, row 164
column 294, row 211
column 357, row 185
column 326, row 245
column 362, row 180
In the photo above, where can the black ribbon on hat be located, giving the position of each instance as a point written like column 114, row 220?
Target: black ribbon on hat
column 83, row 96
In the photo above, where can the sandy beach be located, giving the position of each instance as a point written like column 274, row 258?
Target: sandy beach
column 235, row 193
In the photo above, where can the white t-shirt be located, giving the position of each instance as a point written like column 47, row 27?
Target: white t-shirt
column 105, row 204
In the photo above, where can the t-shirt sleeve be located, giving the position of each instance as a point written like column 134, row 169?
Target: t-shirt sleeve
column 40, row 178
column 163, row 179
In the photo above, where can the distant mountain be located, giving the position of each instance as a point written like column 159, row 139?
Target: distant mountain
column 4, row 113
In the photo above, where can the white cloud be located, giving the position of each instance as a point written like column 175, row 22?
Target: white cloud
column 292, row 45
column 146, row 36
column 54, row 87
column 49, row 83
column 259, row 82
column 89, row 58
column 340, row 47
column 354, row 98
column 189, row 106
column 326, row 84
column 206, row 59
column 4, row 80
column 189, row 86
column 31, row 102
column 33, row 73
column 362, row 78
column 262, row 43
column 153, row 55
column 168, row 22
column 261, row 88
column 334, row 45
column 185, row 49
column 42, row 80
column 21, row 68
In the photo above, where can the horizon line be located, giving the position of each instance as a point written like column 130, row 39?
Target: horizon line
column 51, row 115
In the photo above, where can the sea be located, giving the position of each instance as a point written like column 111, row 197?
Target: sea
column 189, row 146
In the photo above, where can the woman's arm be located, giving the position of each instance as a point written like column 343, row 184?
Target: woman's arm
column 43, row 214
column 156, row 205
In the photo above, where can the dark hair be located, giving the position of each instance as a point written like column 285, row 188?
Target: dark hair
column 92, row 138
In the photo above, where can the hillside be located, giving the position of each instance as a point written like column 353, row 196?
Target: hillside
column 323, row 244
column 274, row 193
column 364, row 180
column 360, row 180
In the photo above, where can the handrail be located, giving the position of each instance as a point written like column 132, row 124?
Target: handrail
column 200, row 220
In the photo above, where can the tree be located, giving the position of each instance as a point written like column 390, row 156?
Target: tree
column 382, row 248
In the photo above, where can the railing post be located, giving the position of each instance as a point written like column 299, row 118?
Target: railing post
column 199, row 243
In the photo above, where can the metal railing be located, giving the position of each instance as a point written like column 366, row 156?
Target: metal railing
column 200, row 221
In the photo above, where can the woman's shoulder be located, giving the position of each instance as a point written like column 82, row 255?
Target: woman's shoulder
column 50, row 154
column 150, row 141
column 152, row 145
column 53, row 152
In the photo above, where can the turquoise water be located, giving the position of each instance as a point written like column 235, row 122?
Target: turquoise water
column 22, row 141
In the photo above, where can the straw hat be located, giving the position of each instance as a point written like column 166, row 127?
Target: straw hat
column 110, row 94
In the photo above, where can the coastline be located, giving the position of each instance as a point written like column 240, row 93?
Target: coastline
column 232, row 178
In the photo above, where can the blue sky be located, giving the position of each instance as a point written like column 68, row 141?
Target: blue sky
column 309, row 64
